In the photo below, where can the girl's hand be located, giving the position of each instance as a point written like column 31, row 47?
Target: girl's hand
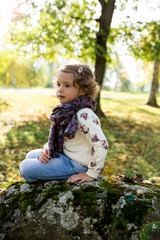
column 44, row 156
column 81, row 177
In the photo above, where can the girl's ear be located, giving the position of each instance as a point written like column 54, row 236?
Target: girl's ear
column 82, row 92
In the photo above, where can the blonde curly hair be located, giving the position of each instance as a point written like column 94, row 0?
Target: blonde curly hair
column 83, row 77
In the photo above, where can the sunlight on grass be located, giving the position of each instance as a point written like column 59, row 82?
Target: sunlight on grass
column 131, row 127
column 131, row 109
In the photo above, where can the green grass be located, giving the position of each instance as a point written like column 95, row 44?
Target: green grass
column 131, row 127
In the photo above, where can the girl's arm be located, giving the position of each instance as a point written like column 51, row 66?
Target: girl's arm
column 89, row 126
column 81, row 177
column 44, row 156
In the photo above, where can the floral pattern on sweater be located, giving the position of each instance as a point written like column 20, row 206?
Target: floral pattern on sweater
column 96, row 120
column 84, row 129
column 92, row 151
column 104, row 144
column 89, row 126
column 84, row 115
column 95, row 138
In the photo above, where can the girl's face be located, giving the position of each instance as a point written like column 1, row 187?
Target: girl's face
column 66, row 91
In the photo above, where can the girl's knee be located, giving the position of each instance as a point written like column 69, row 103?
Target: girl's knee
column 33, row 153
column 25, row 170
column 22, row 166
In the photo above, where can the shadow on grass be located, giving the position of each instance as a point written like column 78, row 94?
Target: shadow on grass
column 133, row 147
column 19, row 140
column 140, row 108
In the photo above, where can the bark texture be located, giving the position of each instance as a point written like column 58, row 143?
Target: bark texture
column 101, row 44
column 97, row 210
column 152, row 101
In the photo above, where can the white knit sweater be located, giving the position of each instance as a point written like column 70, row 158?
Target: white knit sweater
column 89, row 146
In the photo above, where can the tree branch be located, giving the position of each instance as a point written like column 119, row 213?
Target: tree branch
column 85, row 20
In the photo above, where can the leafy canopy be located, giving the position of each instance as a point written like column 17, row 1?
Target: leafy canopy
column 65, row 27
column 143, row 39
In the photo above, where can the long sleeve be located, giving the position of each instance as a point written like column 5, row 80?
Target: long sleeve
column 89, row 126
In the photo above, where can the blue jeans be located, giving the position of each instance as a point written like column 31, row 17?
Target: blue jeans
column 61, row 167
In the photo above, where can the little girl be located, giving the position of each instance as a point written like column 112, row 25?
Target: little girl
column 76, row 147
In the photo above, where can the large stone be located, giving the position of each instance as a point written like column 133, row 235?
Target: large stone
column 57, row 210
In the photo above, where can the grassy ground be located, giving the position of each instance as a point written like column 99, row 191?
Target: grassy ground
column 131, row 127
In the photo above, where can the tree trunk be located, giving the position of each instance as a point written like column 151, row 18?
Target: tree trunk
column 154, row 86
column 13, row 77
column 101, row 46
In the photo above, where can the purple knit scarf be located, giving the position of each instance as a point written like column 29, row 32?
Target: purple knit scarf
column 65, row 123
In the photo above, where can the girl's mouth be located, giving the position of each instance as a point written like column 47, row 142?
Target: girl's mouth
column 60, row 96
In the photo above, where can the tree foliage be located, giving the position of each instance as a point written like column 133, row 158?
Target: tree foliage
column 20, row 72
column 69, row 28
column 143, row 39
column 64, row 28
column 78, row 29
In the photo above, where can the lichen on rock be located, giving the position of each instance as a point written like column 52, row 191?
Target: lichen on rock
column 61, row 210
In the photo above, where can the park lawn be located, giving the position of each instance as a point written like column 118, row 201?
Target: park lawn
column 131, row 127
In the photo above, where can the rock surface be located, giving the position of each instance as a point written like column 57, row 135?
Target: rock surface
column 57, row 210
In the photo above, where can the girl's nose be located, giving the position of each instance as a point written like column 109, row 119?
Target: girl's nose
column 60, row 89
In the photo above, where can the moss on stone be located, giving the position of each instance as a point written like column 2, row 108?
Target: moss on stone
column 16, row 185
column 6, row 213
column 111, row 214
column 151, row 231
column 135, row 211
column 149, row 195
column 20, row 201
column 53, row 192
column 114, row 191
column 86, row 198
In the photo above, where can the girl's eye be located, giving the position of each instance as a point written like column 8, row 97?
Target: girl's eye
column 58, row 84
column 67, row 85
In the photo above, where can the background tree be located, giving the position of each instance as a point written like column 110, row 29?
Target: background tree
column 78, row 29
column 62, row 28
column 143, row 40
column 68, row 28
column 21, row 72
column 101, row 44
